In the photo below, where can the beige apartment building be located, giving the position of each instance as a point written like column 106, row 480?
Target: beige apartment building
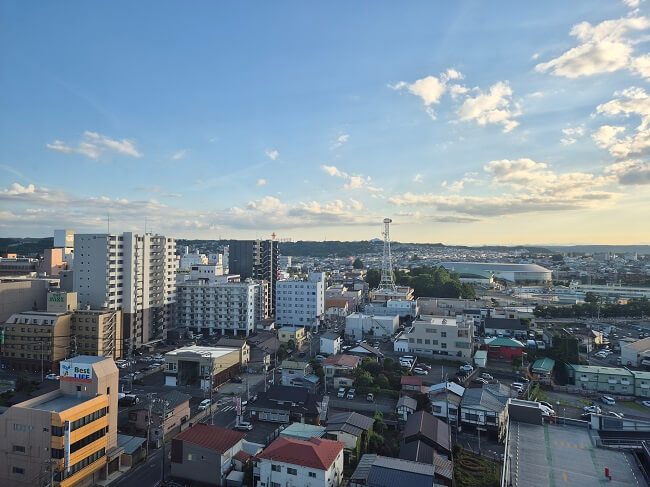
column 72, row 430
column 39, row 340
column 295, row 333
column 441, row 335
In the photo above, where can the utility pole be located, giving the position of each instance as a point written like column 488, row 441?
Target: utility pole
column 150, row 397
column 211, row 385
column 162, row 420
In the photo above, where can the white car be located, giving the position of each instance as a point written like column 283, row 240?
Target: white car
column 592, row 409
column 610, row 401
column 244, row 426
column 52, row 377
column 341, row 392
column 205, row 404
column 546, row 404
column 351, row 394
column 466, row 368
column 646, row 403
column 418, row 371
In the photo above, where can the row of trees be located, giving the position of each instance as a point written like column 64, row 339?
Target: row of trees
column 633, row 308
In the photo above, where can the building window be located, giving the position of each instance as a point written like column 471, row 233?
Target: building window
column 292, row 471
column 312, row 475
column 275, row 484
column 18, row 470
column 276, row 468
column 443, row 334
column 18, row 449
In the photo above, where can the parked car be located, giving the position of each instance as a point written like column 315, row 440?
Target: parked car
column 320, row 358
column 419, row 371
column 244, row 426
column 609, row 400
column 205, row 404
column 466, row 368
column 615, row 414
column 546, row 404
column 236, row 380
column 370, row 397
column 341, row 392
column 646, row 403
column 351, row 393
column 52, row 377
column 595, row 409
column 479, row 380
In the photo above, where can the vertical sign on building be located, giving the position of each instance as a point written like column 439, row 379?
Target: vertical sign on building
column 2, row 340
column 237, row 401
column 66, row 445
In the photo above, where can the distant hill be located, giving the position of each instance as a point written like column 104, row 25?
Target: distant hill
column 26, row 246
column 591, row 249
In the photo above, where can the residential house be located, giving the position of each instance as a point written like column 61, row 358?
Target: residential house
column 336, row 309
column 302, row 431
column 338, row 369
column 412, row 384
column 294, row 372
column 504, row 348
column 445, row 401
column 485, row 407
column 543, row 369
column 351, row 428
column 243, row 347
column 379, row 471
column 264, row 346
column 204, row 454
column 295, row 334
column 176, row 409
column 406, row 405
column 330, row 343
column 317, row 462
column 609, row 380
column 426, row 428
column 287, row 404
column 641, row 383
column 359, row 326
column 364, row 350
column 505, row 327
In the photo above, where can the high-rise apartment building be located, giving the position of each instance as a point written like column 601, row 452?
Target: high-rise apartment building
column 218, row 305
column 135, row 273
column 301, row 302
column 255, row 259
column 68, row 435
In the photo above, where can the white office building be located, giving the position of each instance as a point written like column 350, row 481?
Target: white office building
column 441, row 335
column 188, row 260
column 135, row 273
column 220, row 306
column 359, row 326
column 301, row 302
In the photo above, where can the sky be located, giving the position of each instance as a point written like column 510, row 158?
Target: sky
column 466, row 122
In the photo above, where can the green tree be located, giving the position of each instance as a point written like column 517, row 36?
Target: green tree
column 372, row 366
column 379, row 425
column 358, row 263
column 291, row 345
column 591, row 297
column 282, row 352
column 362, row 378
column 381, row 381
column 375, row 442
column 373, row 276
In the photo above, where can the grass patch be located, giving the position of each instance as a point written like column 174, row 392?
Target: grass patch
column 472, row 470
column 635, row 405
column 586, row 402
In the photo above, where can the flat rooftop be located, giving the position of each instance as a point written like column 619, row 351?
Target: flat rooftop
column 560, row 455
column 195, row 350
column 59, row 403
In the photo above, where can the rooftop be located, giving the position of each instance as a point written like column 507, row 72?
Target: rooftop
column 211, row 437
column 58, row 403
column 411, row 380
column 331, row 336
column 426, row 427
column 450, row 386
column 196, row 350
column 352, row 423
column 303, row 431
column 544, row 365
column 342, row 360
column 639, row 345
column 315, row 453
column 505, row 324
column 504, row 342
column 595, row 369
column 564, row 455
column 380, row 471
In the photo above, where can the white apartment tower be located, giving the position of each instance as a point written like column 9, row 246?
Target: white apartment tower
column 301, row 302
column 221, row 305
column 135, row 273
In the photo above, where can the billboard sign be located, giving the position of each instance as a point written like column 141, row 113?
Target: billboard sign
column 75, row 372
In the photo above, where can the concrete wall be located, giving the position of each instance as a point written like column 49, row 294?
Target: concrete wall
column 22, row 295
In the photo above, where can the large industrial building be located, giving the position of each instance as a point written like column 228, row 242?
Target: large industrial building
column 131, row 272
column 68, row 435
column 519, row 273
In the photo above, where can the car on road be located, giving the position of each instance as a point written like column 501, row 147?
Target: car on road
column 52, row 377
column 646, row 403
column 351, row 394
column 609, row 400
column 466, row 368
column 419, row 371
column 370, row 397
column 341, row 392
column 244, row 426
column 205, row 404
column 517, row 385
column 486, row 376
column 236, row 380
column 410, row 358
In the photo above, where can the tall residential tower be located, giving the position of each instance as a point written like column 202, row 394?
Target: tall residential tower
column 255, row 259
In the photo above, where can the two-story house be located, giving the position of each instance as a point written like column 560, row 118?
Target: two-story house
column 338, row 369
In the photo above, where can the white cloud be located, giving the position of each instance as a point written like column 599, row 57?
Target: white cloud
column 536, row 188
column 352, row 181
column 431, row 88
column 172, row 195
column 492, row 107
column 571, row 134
column 272, row 154
column 418, row 178
column 93, row 145
column 603, row 48
column 631, row 172
column 261, row 182
column 631, row 102
column 180, row 154
column 18, row 189
column 356, row 204
column 454, row 186
column 340, row 140
column 632, row 3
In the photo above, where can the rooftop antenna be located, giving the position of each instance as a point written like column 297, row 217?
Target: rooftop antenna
column 387, row 282
column 145, row 225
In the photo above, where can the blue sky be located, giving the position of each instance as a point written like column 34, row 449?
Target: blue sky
column 466, row 122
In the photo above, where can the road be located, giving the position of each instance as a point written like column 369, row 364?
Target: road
column 146, row 474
